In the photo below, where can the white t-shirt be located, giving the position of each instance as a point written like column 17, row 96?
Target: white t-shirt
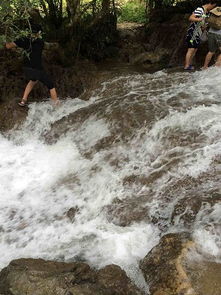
column 214, row 31
column 199, row 12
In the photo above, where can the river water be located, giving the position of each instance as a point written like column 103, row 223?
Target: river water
column 139, row 159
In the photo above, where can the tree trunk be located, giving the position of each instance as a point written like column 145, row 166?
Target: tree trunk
column 105, row 7
column 159, row 4
column 73, row 9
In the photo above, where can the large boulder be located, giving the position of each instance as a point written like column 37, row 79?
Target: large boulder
column 205, row 276
column 150, row 57
column 11, row 115
column 40, row 277
column 176, row 267
column 163, row 269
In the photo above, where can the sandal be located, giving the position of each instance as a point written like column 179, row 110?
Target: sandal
column 22, row 103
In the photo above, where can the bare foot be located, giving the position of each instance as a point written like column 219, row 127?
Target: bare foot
column 57, row 103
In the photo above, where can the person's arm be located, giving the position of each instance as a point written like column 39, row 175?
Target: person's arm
column 10, row 45
column 194, row 18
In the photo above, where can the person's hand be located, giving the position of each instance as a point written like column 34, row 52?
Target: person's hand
column 10, row 45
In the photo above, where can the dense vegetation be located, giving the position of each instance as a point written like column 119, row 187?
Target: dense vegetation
column 82, row 27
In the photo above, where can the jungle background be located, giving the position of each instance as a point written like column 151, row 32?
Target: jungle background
column 85, row 28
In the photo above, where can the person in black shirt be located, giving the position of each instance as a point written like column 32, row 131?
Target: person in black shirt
column 33, row 69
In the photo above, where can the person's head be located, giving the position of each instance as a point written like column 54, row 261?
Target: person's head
column 210, row 4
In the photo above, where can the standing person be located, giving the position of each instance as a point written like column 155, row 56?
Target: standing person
column 195, row 31
column 33, row 69
column 214, row 42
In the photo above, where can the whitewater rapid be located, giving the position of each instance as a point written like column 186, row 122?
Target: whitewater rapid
column 41, row 181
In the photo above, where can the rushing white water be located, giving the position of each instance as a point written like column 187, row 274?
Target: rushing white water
column 40, row 182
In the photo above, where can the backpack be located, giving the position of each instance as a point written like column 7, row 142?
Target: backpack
column 214, row 20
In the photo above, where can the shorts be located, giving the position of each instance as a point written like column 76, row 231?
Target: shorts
column 38, row 75
column 192, row 43
column 214, row 41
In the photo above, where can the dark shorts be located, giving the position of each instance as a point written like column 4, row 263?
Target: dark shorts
column 38, row 75
column 214, row 41
column 192, row 43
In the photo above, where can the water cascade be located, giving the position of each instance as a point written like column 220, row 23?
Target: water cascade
column 102, row 180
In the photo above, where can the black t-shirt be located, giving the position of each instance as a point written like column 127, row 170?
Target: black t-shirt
column 33, row 51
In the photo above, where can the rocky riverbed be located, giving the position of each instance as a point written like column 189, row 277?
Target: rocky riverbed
column 173, row 267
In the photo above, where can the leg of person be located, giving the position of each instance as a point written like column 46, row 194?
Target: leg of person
column 54, row 96
column 189, row 58
column 27, row 91
column 46, row 80
column 193, row 46
column 218, row 61
column 208, row 59
column 213, row 46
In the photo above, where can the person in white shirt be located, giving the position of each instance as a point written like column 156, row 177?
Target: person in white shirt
column 193, row 38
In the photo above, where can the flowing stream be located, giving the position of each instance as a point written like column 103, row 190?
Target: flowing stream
column 102, row 180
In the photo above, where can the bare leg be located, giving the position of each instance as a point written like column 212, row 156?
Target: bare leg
column 189, row 57
column 54, row 96
column 28, row 89
column 208, row 59
column 218, row 61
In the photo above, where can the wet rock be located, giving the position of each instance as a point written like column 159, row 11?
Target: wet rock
column 186, row 210
column 197, row 195
column 11, row 115
column 87, row 289
column 163, row 268
column 123, row 118
column 169, row 36
column 176, row 267
column 125, row 212
column 205, row 276
column 40, row 277
column 150, row 57
column 113, row 278
column 128, row 29
column 72, row 212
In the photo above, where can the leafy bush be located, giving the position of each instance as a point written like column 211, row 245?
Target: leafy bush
column 14, row 19
column 132, row 11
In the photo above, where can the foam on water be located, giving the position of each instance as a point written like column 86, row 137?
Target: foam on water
column 41, row 182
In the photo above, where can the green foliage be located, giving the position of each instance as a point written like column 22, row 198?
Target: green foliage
column 132, row 11
column 168, row 2
column 14, row 19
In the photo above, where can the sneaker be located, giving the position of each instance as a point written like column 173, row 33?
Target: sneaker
column 189, row 68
